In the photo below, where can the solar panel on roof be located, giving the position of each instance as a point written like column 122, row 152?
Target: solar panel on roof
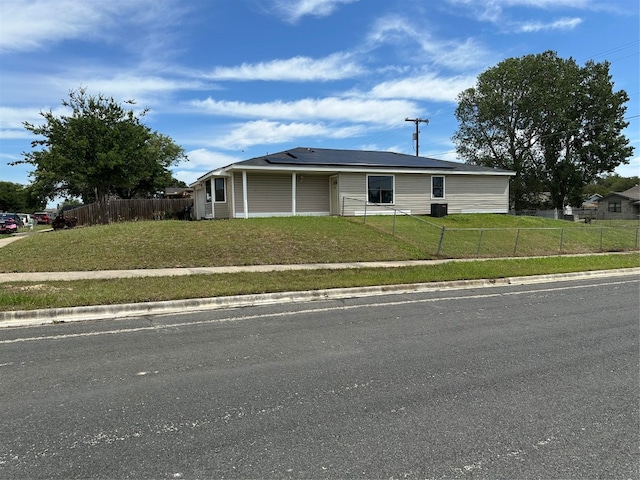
column 355, row 158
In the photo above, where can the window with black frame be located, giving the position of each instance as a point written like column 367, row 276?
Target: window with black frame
column 614, row 207
column 437, row 187
column 380, row 188
column 219, row 190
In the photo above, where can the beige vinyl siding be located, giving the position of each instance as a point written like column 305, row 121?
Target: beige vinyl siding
column 463, row 193
column 476, row 194
column 312, row 194
column 267, row 194
column 200, row 204
column 236, row 200
column 221, row 209
column 413, row 193
column 352, row 186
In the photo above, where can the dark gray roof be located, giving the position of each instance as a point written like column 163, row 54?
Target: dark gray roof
column 632, row 193
column 323, row 157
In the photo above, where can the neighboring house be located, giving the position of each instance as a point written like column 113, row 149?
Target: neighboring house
column 592, row 201
column 620, row 204
column 314, row 181
column 177, row 192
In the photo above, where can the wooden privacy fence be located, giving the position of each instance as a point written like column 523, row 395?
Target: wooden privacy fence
column 132, row 210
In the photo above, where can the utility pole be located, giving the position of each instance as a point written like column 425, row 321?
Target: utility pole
column 417, row 134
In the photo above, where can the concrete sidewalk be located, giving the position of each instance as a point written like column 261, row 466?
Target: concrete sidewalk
column 52, row 315
column 168, row 272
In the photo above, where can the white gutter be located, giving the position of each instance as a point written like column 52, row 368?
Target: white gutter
column 369, row 169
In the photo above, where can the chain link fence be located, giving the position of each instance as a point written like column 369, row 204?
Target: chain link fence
column 440, row 240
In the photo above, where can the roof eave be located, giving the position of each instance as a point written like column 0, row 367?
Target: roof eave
column 363, row 169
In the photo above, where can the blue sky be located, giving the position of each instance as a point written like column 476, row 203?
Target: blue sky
column 230, row 80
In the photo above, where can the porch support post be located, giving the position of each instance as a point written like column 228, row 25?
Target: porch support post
column 293, row 193
column 233, row 194
column 245, row 199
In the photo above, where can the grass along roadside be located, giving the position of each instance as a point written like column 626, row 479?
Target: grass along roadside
column 42, row 295
column 295, row 240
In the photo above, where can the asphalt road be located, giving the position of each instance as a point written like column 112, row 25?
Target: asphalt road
column 531, row 381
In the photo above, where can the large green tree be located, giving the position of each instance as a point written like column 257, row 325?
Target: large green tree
column 15, row 197
column 610, row 183
column 554, row 123
column 100, row 149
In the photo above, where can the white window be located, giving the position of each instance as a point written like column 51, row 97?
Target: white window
column 437, row 187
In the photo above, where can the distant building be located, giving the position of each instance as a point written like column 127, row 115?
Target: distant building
column 620, row 204
column 177, row 192
column 592, row 201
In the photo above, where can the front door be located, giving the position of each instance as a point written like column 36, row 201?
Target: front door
column 335, row 198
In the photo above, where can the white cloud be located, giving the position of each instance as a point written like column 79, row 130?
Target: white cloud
column 333, row 67
column 200, row 162
column 561, row 24
column 203, row 158
column 294, row 10
column 330, row 108
column 401, row 31
column 12, row 118
column 145, row 90
column 27, row 25
column 493, row 11
column 425, row 87
column 264, row 132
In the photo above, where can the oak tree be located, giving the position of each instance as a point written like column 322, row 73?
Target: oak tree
column 99, row 149
column 556, row 124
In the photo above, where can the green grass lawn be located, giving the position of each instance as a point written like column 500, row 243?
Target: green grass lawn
column 483, row 235
column 162, row 244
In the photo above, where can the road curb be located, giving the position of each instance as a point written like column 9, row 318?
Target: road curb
column 22, row 318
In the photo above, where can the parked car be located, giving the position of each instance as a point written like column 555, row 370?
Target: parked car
column 9, row 222
column 43, row 217
column 26, row 219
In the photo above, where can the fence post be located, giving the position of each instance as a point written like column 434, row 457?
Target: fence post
column 561, row 238
column 364, row 218
column 479, row 242
column 343, row 206
column 637, row 229
column 515, row 247
column 440, row 242
column 601, row 234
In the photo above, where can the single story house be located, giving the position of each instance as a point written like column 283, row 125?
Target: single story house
column 620, row 204
column 177, row 192
column 314, row 181
column 591, row 201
